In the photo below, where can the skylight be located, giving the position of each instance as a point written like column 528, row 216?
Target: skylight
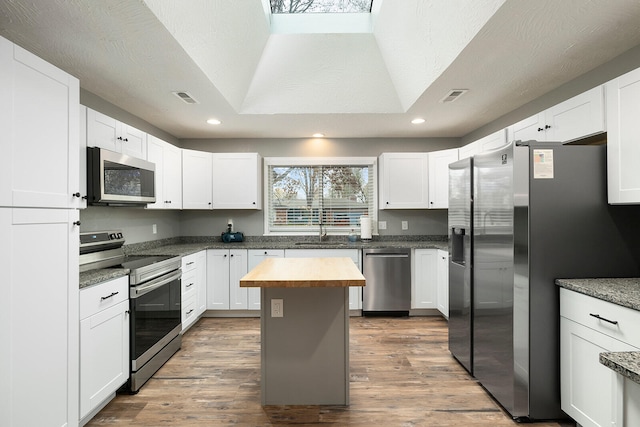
column 321, row 6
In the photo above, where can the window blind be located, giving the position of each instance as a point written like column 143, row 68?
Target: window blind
column 301, row 197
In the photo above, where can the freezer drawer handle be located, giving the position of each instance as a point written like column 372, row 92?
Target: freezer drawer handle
column 597, row 316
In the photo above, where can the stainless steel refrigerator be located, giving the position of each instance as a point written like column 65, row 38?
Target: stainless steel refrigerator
column 539, row 212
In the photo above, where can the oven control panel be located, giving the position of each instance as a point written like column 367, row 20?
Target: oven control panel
column 97, row 239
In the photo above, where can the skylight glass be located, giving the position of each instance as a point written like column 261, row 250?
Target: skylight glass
column 321, row 6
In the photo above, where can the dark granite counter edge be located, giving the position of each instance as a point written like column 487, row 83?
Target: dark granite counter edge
column 183, row 246
column 624, row 292
column 93, row 277
column 625, row 363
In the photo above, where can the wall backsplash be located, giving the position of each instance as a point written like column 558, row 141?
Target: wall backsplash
column 137, row 223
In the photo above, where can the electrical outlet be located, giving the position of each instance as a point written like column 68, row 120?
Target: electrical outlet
column 277, row 307
column 154, row 229
column 382, row 225
column 405, row 225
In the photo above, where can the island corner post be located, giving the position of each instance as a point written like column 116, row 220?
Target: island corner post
column 305, row 352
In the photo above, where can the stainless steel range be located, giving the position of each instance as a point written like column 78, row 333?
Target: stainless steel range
column 154, row 299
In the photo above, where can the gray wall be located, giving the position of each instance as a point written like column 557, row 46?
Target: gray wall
column 421, row 222
column 630, row 60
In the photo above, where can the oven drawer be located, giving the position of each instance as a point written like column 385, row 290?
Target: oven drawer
column 104, row 295
column 584, row 309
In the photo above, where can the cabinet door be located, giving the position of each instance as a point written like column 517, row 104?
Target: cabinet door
column 493, row 141
column 217, row 279
column 238, row 298
column 39, row 322
column 134, row 141
column 255, row 257
column 236, row 181
column 623, row 146
column 425, row 280
column 439, row 177
column 196, row 179
column 201, row 280
column 172, row 177
column 103, row 131
column 589, row 391
column 155, row 154
column 404, row 181
column 531, row 128
column 104, row 355
column 575, row 118
column 443, row 283
column 40, row 126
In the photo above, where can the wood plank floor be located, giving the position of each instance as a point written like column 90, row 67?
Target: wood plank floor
column 401, row 375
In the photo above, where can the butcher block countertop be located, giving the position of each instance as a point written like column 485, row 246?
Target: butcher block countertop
column 304, row 273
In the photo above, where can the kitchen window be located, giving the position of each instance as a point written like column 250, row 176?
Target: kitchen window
column 304, row 194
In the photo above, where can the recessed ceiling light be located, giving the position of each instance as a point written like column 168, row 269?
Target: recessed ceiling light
column 417, row 121
column 318, row 135
column 214, row 121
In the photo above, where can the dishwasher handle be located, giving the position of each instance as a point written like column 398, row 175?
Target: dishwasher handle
column 390, row 255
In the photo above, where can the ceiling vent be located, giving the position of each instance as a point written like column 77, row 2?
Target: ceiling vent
column 188, row 99
column 453, row 95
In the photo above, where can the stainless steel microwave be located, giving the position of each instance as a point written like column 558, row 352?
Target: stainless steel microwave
column 114, row 179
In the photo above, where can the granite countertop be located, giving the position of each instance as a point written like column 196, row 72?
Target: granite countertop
column 624, row 291
column 626, row 363
column 183, row 246
column 93, row 277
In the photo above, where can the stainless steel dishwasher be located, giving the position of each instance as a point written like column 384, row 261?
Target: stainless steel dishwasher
column 388, row 275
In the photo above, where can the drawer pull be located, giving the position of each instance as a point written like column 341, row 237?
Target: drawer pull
column 189, row 312
column 191, row 262
column 109, row 296
column 597, row 316
column 189, row 285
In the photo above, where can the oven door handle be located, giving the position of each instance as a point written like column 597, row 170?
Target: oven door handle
column 138, row 291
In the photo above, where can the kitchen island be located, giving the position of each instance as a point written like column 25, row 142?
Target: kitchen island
column 304, row 329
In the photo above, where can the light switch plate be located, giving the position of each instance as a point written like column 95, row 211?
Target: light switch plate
column 382, row 225
column 405, row 225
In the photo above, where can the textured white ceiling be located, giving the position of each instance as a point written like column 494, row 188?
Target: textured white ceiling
column 135, row 53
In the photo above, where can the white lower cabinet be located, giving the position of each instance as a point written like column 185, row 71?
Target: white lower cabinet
column 425, row 278
column 104, row 344
column 590, row 391
column 430, row 280
column 255, row 257
column 355, row 292
column 225, row 268
column 443, row 283
column 194, row 287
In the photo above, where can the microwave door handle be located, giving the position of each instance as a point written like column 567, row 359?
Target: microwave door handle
column 154, row 284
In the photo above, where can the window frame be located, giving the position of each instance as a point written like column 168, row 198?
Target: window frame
column 371, row 162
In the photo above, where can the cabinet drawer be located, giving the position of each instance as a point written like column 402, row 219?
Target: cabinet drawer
column 188, row 283
column 188, row 263
column 583, row 309
column 188, row 310
column 103, row 295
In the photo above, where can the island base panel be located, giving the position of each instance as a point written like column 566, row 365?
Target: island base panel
column 305, row 353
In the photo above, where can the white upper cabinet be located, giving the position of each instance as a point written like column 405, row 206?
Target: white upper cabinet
column 404, row 180
column 40, row 124
column 487, row 143
column 111, row 134
column 196, row 179
column 439, row 177
column 623, row 138
column 575, row 118
column 236, row 181
column 168, row 161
